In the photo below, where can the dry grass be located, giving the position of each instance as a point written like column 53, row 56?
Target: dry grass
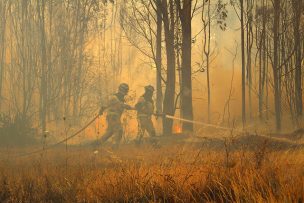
column 175, row 174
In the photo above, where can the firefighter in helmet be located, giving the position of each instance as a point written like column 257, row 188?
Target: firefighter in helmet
column 114, row 109
column 145, row 110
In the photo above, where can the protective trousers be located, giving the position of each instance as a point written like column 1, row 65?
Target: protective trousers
column 114, row 129
column 145, row 124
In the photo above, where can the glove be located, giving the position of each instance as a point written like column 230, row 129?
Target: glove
column 157, row 115
column 128, row 107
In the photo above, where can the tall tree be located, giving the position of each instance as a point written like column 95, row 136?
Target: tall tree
column 249, row 31
column 169, row 97
column 297, row 6
column 185, row 11
column 243, row 64
column 261, row 38
column 159, row 92
column 3, row 24
column 206, row 50
column 275, row 67
column 43, row 81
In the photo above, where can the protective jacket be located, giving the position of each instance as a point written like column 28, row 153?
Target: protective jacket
column 114, row 109
column 116, row 105
column 144, row 107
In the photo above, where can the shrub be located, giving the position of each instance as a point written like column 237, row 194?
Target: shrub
column 16, row 130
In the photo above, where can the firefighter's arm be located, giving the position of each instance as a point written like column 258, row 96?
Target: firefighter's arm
column 140, row 103
column 111, row 102
column 159, row 115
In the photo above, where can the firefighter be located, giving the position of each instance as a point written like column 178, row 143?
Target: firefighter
column 145, row 110
column 114, row 109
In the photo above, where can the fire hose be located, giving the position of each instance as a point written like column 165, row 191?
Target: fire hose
column 196, row 122
column 58, row 143
column 93, row 119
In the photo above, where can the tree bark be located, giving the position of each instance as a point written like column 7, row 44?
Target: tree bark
column 43, row 81
column 3, row 46
column 186, row 90
column 206, row 52
column 243, row 65
column 159, row 93
column 277, row 94
column 297, row 7
column 170, row 84
column 262, row 63
column 249, row 51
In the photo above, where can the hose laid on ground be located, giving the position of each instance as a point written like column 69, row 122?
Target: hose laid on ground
column 58, row 143
column 91, row 121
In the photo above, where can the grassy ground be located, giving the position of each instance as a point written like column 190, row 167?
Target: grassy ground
column 176, row 173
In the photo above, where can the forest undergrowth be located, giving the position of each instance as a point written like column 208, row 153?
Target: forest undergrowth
column 145, row 174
